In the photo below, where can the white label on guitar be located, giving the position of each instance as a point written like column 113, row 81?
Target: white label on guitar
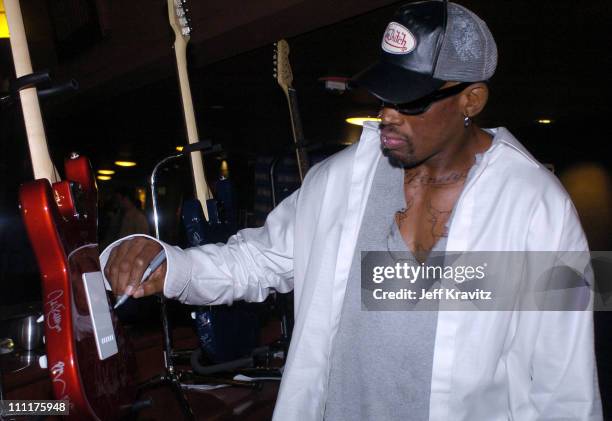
column 99, row 309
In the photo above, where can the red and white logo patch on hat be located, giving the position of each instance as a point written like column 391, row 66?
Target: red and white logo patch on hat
column 398, row 39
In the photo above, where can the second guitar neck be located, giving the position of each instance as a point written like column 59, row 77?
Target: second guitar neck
column 298, row 133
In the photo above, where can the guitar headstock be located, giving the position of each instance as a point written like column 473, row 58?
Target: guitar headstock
column 179, row 20
column 282, row 67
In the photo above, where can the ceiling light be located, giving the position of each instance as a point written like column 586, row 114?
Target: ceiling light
column 106, row 172
column 545, row 121
column 358, row 121
column 125, row 163
column 179, row 148
column 4, row 29
column 104, row 177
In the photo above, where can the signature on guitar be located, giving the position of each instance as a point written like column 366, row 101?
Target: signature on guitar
column 54, row 315
column 57, row 371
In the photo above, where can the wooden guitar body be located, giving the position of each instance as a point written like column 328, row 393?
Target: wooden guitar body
column 61, row 221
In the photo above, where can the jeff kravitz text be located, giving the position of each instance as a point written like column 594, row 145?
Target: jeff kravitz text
column 434, row 294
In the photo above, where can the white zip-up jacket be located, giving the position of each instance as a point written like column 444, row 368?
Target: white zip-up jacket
column 487, row 365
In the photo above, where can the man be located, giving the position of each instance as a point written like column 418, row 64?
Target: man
column 446, row 185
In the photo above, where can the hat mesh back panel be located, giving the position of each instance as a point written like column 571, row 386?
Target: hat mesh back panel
column 468, row 52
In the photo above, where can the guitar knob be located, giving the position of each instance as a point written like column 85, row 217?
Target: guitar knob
column 42, row 361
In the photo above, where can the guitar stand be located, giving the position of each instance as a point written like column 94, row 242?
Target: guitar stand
column 42, row 81
column 173, row 377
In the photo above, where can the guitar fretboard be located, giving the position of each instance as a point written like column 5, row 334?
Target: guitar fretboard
column 298, row 133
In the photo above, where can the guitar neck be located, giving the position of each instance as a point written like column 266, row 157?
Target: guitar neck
column 202, row 190
column 298, row 133
column 37, row 142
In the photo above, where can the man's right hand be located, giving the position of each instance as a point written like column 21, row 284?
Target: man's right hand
column 127, row 263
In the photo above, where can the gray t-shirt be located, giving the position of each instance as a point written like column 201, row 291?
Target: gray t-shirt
column 381, row 361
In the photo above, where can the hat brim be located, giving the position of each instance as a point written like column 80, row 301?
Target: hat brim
column 394, row 84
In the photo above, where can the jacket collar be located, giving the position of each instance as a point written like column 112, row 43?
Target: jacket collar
column 501, row 135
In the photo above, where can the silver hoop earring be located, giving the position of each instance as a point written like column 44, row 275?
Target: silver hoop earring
column 467, row 121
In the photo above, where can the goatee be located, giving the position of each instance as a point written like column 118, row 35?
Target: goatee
column 396, row 162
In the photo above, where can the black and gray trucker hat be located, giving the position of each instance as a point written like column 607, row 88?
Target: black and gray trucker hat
column 426, row 44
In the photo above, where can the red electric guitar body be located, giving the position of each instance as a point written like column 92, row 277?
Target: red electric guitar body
column 61, row 222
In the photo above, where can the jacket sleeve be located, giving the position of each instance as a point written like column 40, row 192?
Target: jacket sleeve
column 252, row 262
column 563, row 370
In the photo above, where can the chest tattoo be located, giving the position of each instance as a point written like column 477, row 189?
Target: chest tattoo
column 429, row 204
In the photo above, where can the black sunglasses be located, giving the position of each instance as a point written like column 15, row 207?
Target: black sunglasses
column 421, row 105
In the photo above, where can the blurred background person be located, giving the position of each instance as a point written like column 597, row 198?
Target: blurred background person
column 124, row 216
